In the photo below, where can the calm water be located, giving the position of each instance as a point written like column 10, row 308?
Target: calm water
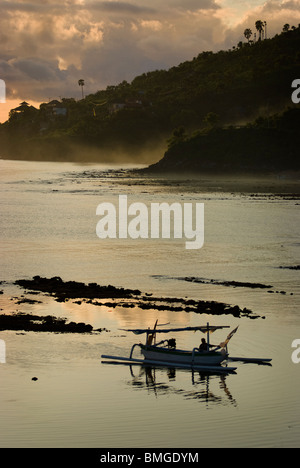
column 48, row 222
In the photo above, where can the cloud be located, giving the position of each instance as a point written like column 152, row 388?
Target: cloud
column 194, row 5
column 74, row 6
column 48, row 45
column 119, row 7
column 276, row 5
column 33, row 69
column 275, row 12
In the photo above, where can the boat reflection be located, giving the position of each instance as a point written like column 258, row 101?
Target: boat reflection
column 202, row 386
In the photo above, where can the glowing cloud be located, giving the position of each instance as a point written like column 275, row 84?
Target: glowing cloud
column 47, row 46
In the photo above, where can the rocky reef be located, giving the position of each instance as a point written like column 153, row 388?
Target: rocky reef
column 92, row 292
column 30, row 322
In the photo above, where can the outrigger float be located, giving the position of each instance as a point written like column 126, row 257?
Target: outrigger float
column 207, row 357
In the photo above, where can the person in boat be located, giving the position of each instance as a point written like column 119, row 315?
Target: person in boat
column 204, row 346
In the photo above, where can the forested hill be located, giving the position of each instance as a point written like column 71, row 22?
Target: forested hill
column 267, row 146
column 226, row 88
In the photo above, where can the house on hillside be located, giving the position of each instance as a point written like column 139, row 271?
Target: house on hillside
column 51, row 111
column 55, row 108
column 24, row 109
column 128, row 104
column 115, row 107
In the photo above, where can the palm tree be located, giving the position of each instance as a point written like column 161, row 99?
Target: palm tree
column 260, row 27
column 81, row 83
column 248, row 34
column 265, row 23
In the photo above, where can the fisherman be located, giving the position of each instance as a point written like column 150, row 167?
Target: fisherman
column 204, row 345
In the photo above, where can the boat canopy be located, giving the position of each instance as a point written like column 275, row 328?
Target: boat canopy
column 203, row 329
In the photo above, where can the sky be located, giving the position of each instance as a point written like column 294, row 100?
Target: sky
column 48, row 45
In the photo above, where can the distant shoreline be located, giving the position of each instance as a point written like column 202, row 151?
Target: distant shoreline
column 282, row 184
column 277, row 184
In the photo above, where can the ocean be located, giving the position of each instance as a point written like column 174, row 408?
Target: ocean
column 251, row 237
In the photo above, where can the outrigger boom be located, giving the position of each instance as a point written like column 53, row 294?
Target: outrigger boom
column 148, row 362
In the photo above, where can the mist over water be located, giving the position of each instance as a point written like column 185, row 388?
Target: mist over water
column 48, row 228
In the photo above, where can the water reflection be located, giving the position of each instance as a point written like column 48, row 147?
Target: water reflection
column 193, row 385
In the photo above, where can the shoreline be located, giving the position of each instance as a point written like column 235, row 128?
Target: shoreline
column 277, row 185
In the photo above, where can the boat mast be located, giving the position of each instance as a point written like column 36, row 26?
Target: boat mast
column 207, row 336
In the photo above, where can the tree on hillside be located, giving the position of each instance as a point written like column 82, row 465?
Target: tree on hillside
column 265, row 24
column 81, row 83
column 286, row 27
column 248, row 34
column 260, row 27
column 211, row 120
column 179, row 135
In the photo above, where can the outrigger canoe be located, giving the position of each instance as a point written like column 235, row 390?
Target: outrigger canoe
column 165, row 353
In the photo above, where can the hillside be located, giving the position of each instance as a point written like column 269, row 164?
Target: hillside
column 234, row 86
column 269, row 145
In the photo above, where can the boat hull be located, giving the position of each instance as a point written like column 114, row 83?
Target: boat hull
column 211, row 358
